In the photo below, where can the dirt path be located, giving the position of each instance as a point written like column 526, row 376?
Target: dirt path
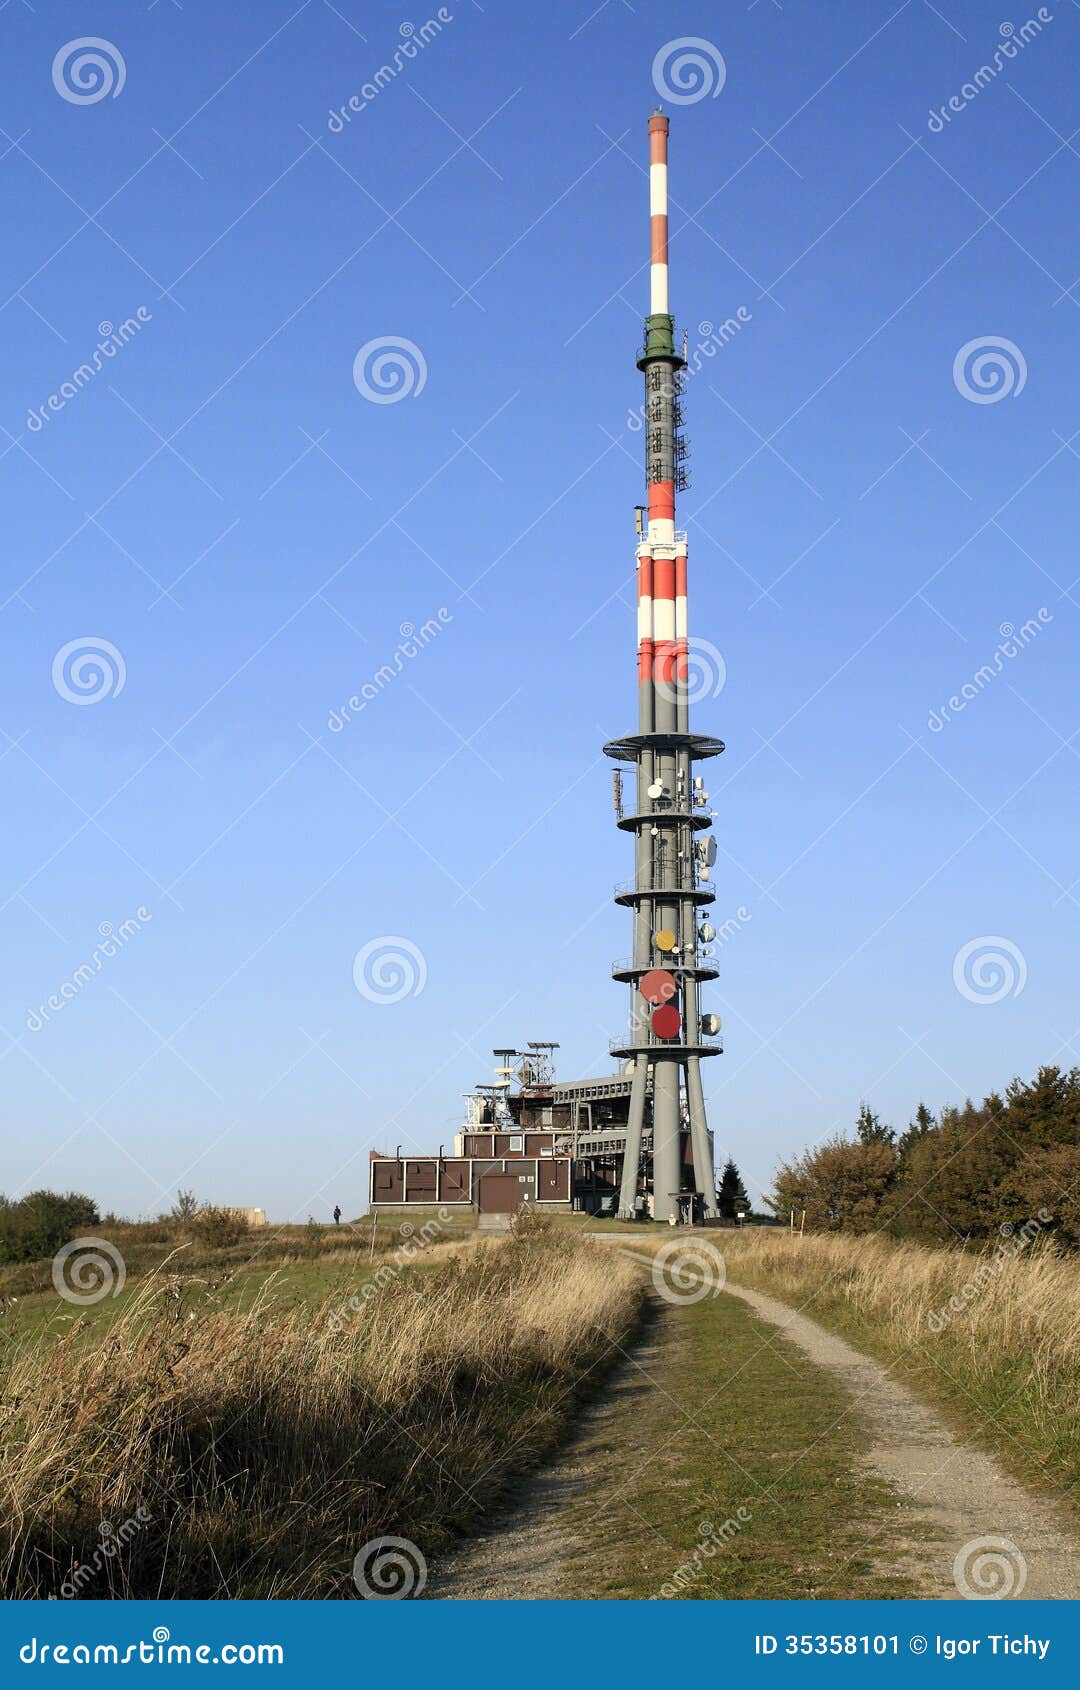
column 523, row 1554
column 958, row 1492
column 959, row 1515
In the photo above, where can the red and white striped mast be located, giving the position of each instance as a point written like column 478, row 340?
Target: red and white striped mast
column 670, row 887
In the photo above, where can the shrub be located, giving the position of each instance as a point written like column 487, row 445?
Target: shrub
column 218, row 1228
column 840, row 1184
column 38, row 1225
column 529, row 1223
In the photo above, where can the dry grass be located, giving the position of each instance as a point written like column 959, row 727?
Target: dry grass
column 252, row 1454
column 995, row 1335
column 146, row 1245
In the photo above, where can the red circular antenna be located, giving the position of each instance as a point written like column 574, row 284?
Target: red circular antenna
column 657, row 986
column 666, row 1021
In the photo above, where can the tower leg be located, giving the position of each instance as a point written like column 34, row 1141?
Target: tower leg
column 632, row 1158
column 704, row 1176
column 667, row 1159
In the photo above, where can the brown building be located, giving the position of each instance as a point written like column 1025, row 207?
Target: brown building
column 528, row 1138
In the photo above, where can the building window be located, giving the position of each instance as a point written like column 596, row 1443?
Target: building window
column 517, row 1142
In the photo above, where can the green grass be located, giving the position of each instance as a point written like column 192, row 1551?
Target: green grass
column 746, row 1437
column 304, row 1269
column 999, row 1409
column 1010, row 1388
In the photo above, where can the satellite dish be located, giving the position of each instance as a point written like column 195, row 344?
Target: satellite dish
column 666, row 1021
column 703, row 874
column 710, row 1024
column 707, row 931
column 709, row 852
column 657, row 986
column 656, row 790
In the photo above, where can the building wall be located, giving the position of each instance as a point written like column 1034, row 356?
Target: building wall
column 424, row 1180
column 253, row 1217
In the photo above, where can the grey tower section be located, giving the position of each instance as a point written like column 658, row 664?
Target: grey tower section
column 667, row 891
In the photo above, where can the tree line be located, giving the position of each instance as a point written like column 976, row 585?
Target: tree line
column 971, row 1172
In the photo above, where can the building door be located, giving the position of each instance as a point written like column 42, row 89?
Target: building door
column 500, row 1194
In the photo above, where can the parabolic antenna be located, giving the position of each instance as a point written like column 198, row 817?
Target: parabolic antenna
column 657, row 986
column 666, row 1021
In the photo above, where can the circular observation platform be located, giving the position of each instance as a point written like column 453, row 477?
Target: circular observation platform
column 630, row 746
column 664, row 1049
column 696, row 819
column 628, row 894
column 628, row 971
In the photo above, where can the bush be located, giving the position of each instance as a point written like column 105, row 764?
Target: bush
column 35, row 1227
column 840, row 1184
column 529, row 1223
column 219, row 1229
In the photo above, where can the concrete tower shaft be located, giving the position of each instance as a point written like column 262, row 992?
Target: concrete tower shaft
column 670, row 886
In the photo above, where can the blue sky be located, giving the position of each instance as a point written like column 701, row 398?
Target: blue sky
column 224, row 507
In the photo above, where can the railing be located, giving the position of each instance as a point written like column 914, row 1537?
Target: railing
column 684, row 962
column 640, row 1040
column 626, row 887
